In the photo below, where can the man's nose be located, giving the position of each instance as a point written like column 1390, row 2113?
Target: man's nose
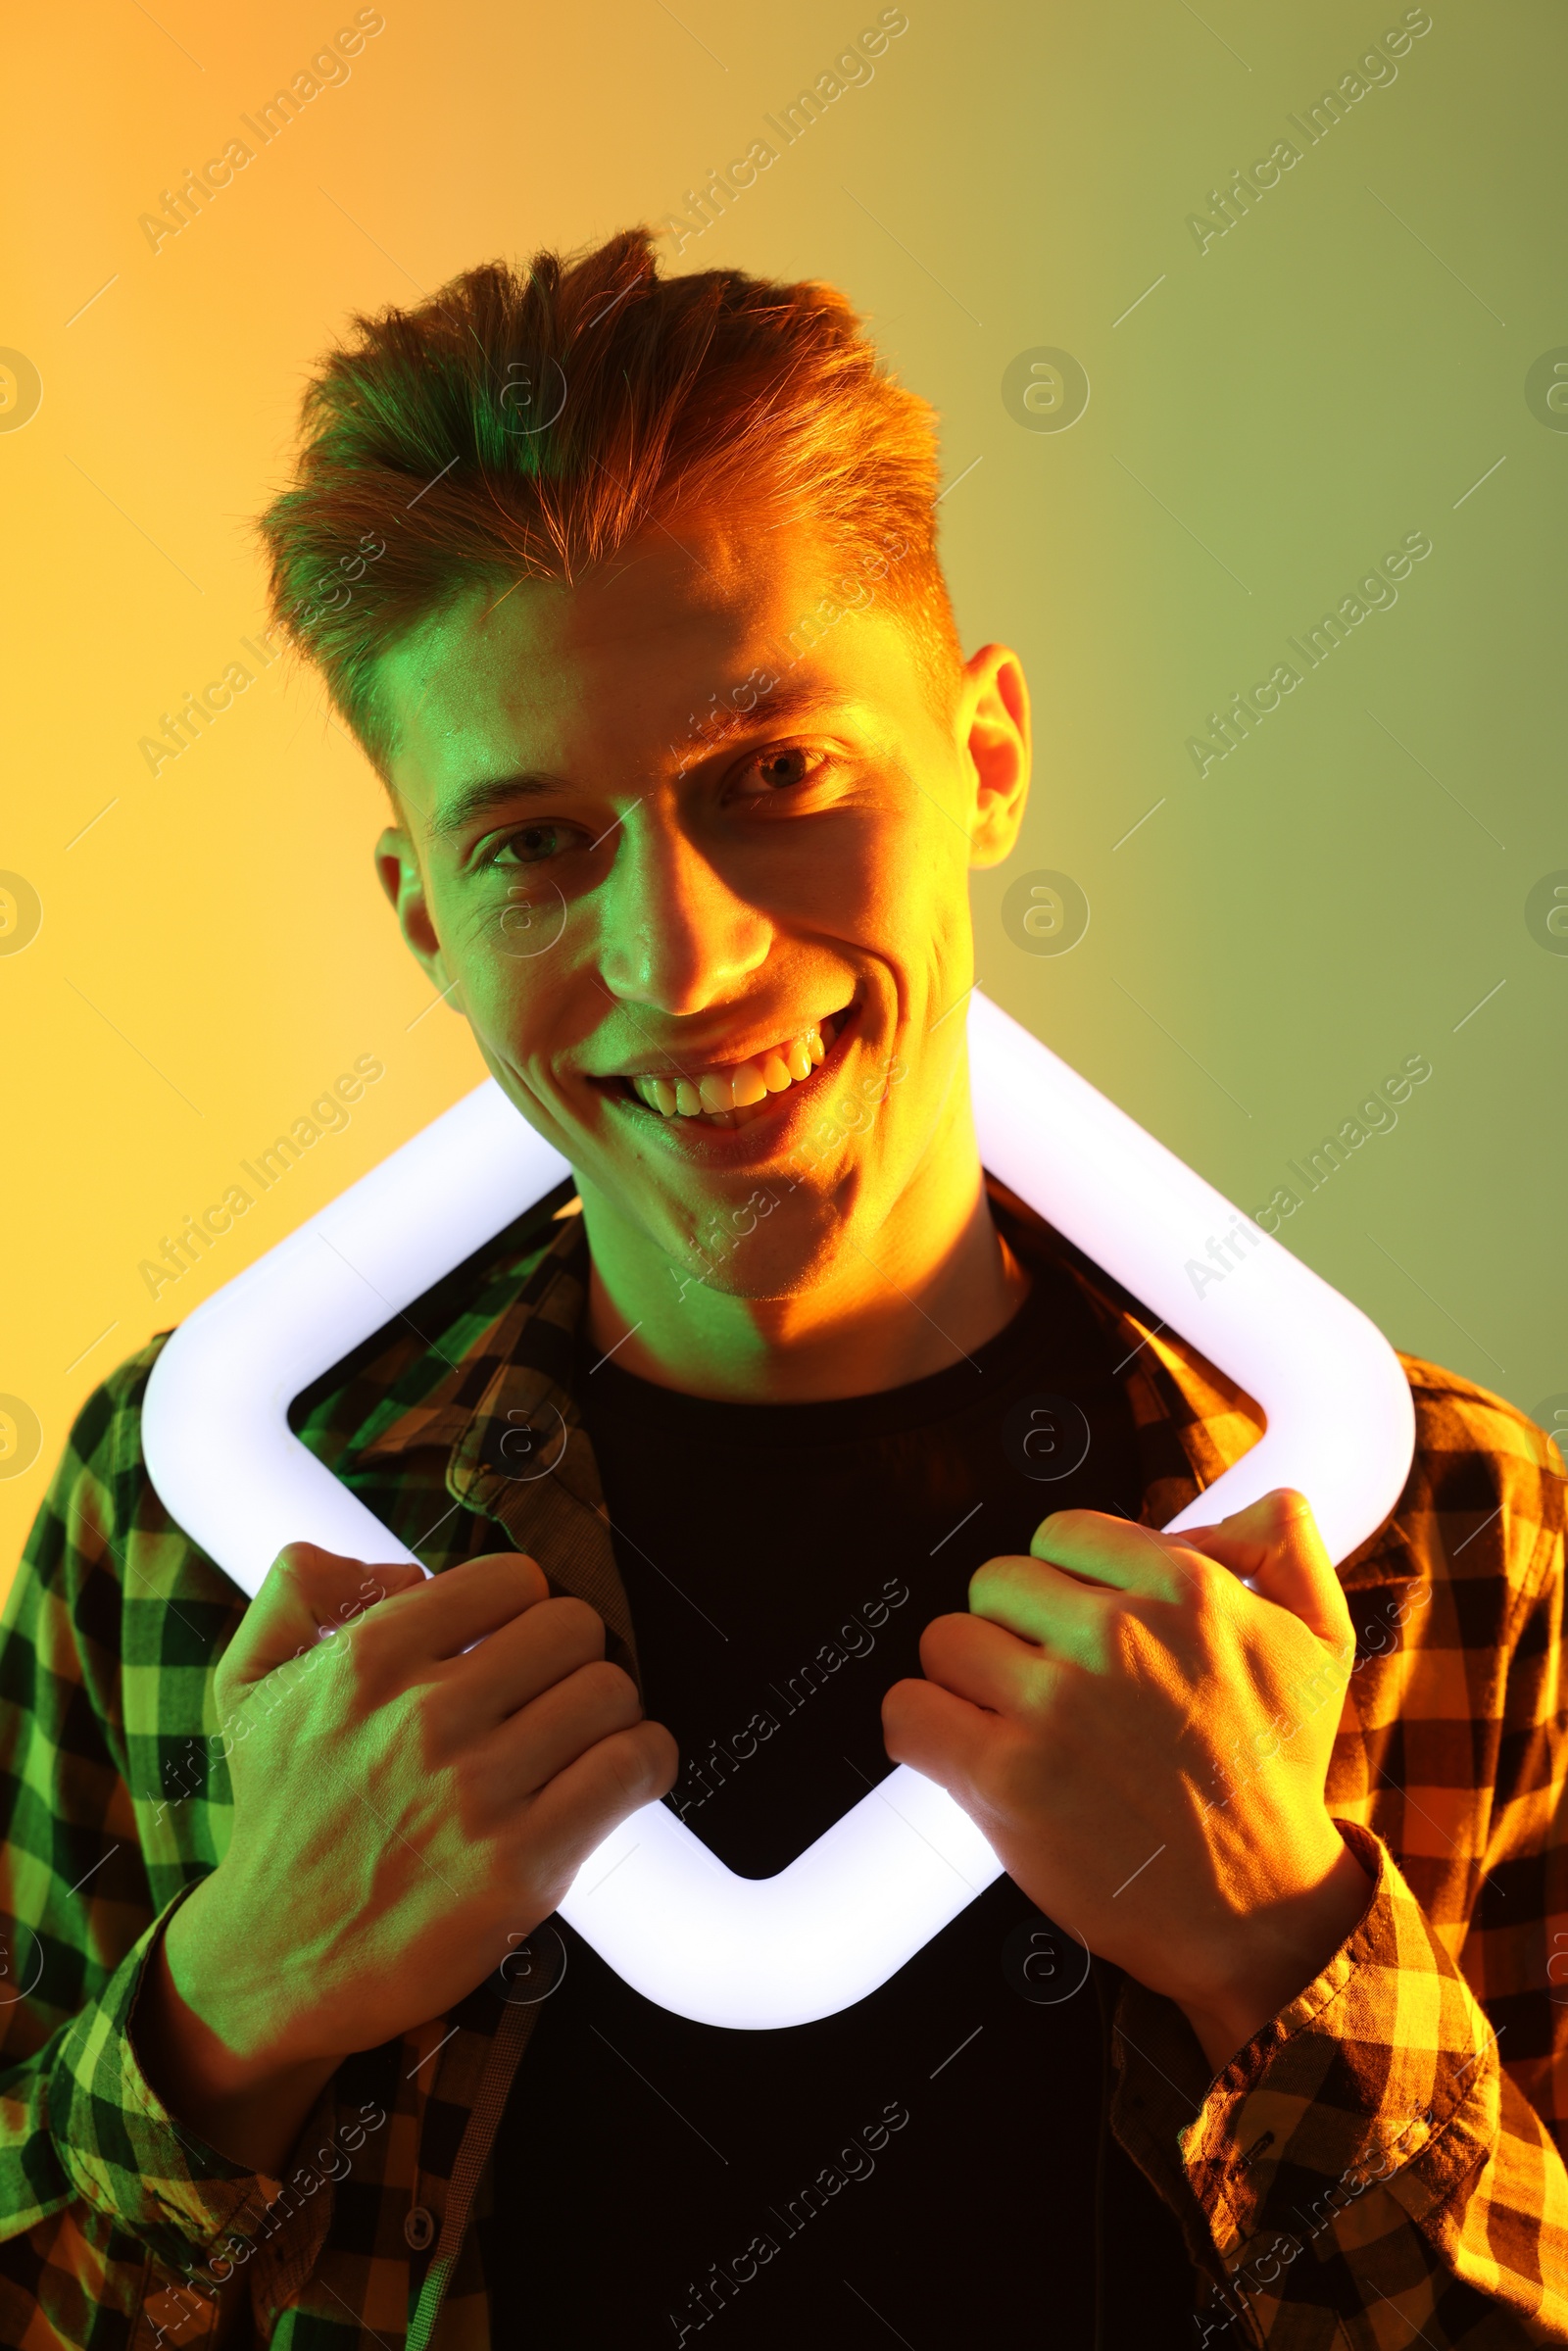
column 674, row 934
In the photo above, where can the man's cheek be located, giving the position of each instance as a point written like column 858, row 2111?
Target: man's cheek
column 526, row 924
column 851, row 1112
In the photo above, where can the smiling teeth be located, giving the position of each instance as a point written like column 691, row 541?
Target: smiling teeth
column 740, row 1085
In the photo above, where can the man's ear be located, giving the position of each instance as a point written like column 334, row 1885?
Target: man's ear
column 398, row 871
column 994, row 711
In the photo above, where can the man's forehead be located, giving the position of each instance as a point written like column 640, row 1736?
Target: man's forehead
column 526, row 639
column 707, row 582
column 648, row 641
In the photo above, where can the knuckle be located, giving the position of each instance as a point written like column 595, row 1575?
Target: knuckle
column 570, row 1621
column 305, row 1563
column 896, row 1715
column 997, row 1579
column 608, row 1687
column 1198, row 1579
column 1061, row 1524
column 1285, row 1520
column 1127, row 1643
column 638, row 1761
column 1205, row 1591
column 941, row 1647
column 368, row 1639
column 933, row 1639
column 364, row 1652
column 523, row 1564
column 657, row 1753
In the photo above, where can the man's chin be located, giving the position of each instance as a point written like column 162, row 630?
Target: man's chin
column 773, row 1239
column 738, row 1253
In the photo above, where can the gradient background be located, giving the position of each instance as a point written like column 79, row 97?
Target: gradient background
column 1266, row 417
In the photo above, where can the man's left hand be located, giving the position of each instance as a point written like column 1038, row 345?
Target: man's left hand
column 1145, row 1741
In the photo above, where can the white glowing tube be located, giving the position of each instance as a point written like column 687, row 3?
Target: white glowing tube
column 846, row 1914
column 1340, row 1422
column 216, row 1437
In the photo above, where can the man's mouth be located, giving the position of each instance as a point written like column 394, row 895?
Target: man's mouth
column 732, row 1094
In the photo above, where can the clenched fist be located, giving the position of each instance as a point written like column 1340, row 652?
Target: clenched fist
column 410, row 1791
column 1143, row 1739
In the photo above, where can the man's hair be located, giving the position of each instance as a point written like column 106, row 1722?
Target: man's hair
column 525, row 425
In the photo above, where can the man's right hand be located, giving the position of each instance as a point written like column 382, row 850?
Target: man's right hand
column 405, row 1802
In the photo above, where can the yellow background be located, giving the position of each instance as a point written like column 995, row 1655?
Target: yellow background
column 1281, row 408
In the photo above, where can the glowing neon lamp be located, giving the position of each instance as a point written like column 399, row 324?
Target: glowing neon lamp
column 846, row 1914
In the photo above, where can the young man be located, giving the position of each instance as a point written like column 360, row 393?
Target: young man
column 629, row 587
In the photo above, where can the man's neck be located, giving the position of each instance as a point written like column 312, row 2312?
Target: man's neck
column 936, row 1281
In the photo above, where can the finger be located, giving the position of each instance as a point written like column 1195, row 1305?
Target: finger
column 450, row 1612
column 1041, row 1603
column 307, row 1592
column 547, row 1735
column 525, row 1658
column 578, row 1808
column 1276, row 1545
column 984, row 1663
column 1094, row 1546
column 936, row 1733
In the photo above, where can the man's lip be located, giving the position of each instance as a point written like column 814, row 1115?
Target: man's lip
column 762, row 1136
column 618, row 1080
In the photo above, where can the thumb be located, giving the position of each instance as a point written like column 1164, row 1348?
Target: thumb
column 1275, row 1544
column 309, row 1593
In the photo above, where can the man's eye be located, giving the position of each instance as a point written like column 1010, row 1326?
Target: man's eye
column 534, row 844
column 790, row 765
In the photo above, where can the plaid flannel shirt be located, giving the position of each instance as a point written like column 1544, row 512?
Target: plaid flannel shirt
column 1382, row 2164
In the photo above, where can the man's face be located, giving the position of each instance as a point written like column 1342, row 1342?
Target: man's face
column 673, row 819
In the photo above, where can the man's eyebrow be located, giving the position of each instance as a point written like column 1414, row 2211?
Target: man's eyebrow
column 483, row 798
column 779, row 704
column 790, row 697
column 793, row 697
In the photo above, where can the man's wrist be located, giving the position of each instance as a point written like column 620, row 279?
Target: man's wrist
column 246, row 2095
column 1282, row 1950
column 230, row 2005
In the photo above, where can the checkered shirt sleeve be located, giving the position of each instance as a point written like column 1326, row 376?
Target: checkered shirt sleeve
column 1383, row 2163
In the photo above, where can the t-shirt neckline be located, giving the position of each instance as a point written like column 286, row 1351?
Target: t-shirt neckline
column 1052, row 1319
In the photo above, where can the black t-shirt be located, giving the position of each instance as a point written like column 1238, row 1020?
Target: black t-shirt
column 921, row 2167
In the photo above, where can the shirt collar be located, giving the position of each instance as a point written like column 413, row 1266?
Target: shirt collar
column 517, row 1364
